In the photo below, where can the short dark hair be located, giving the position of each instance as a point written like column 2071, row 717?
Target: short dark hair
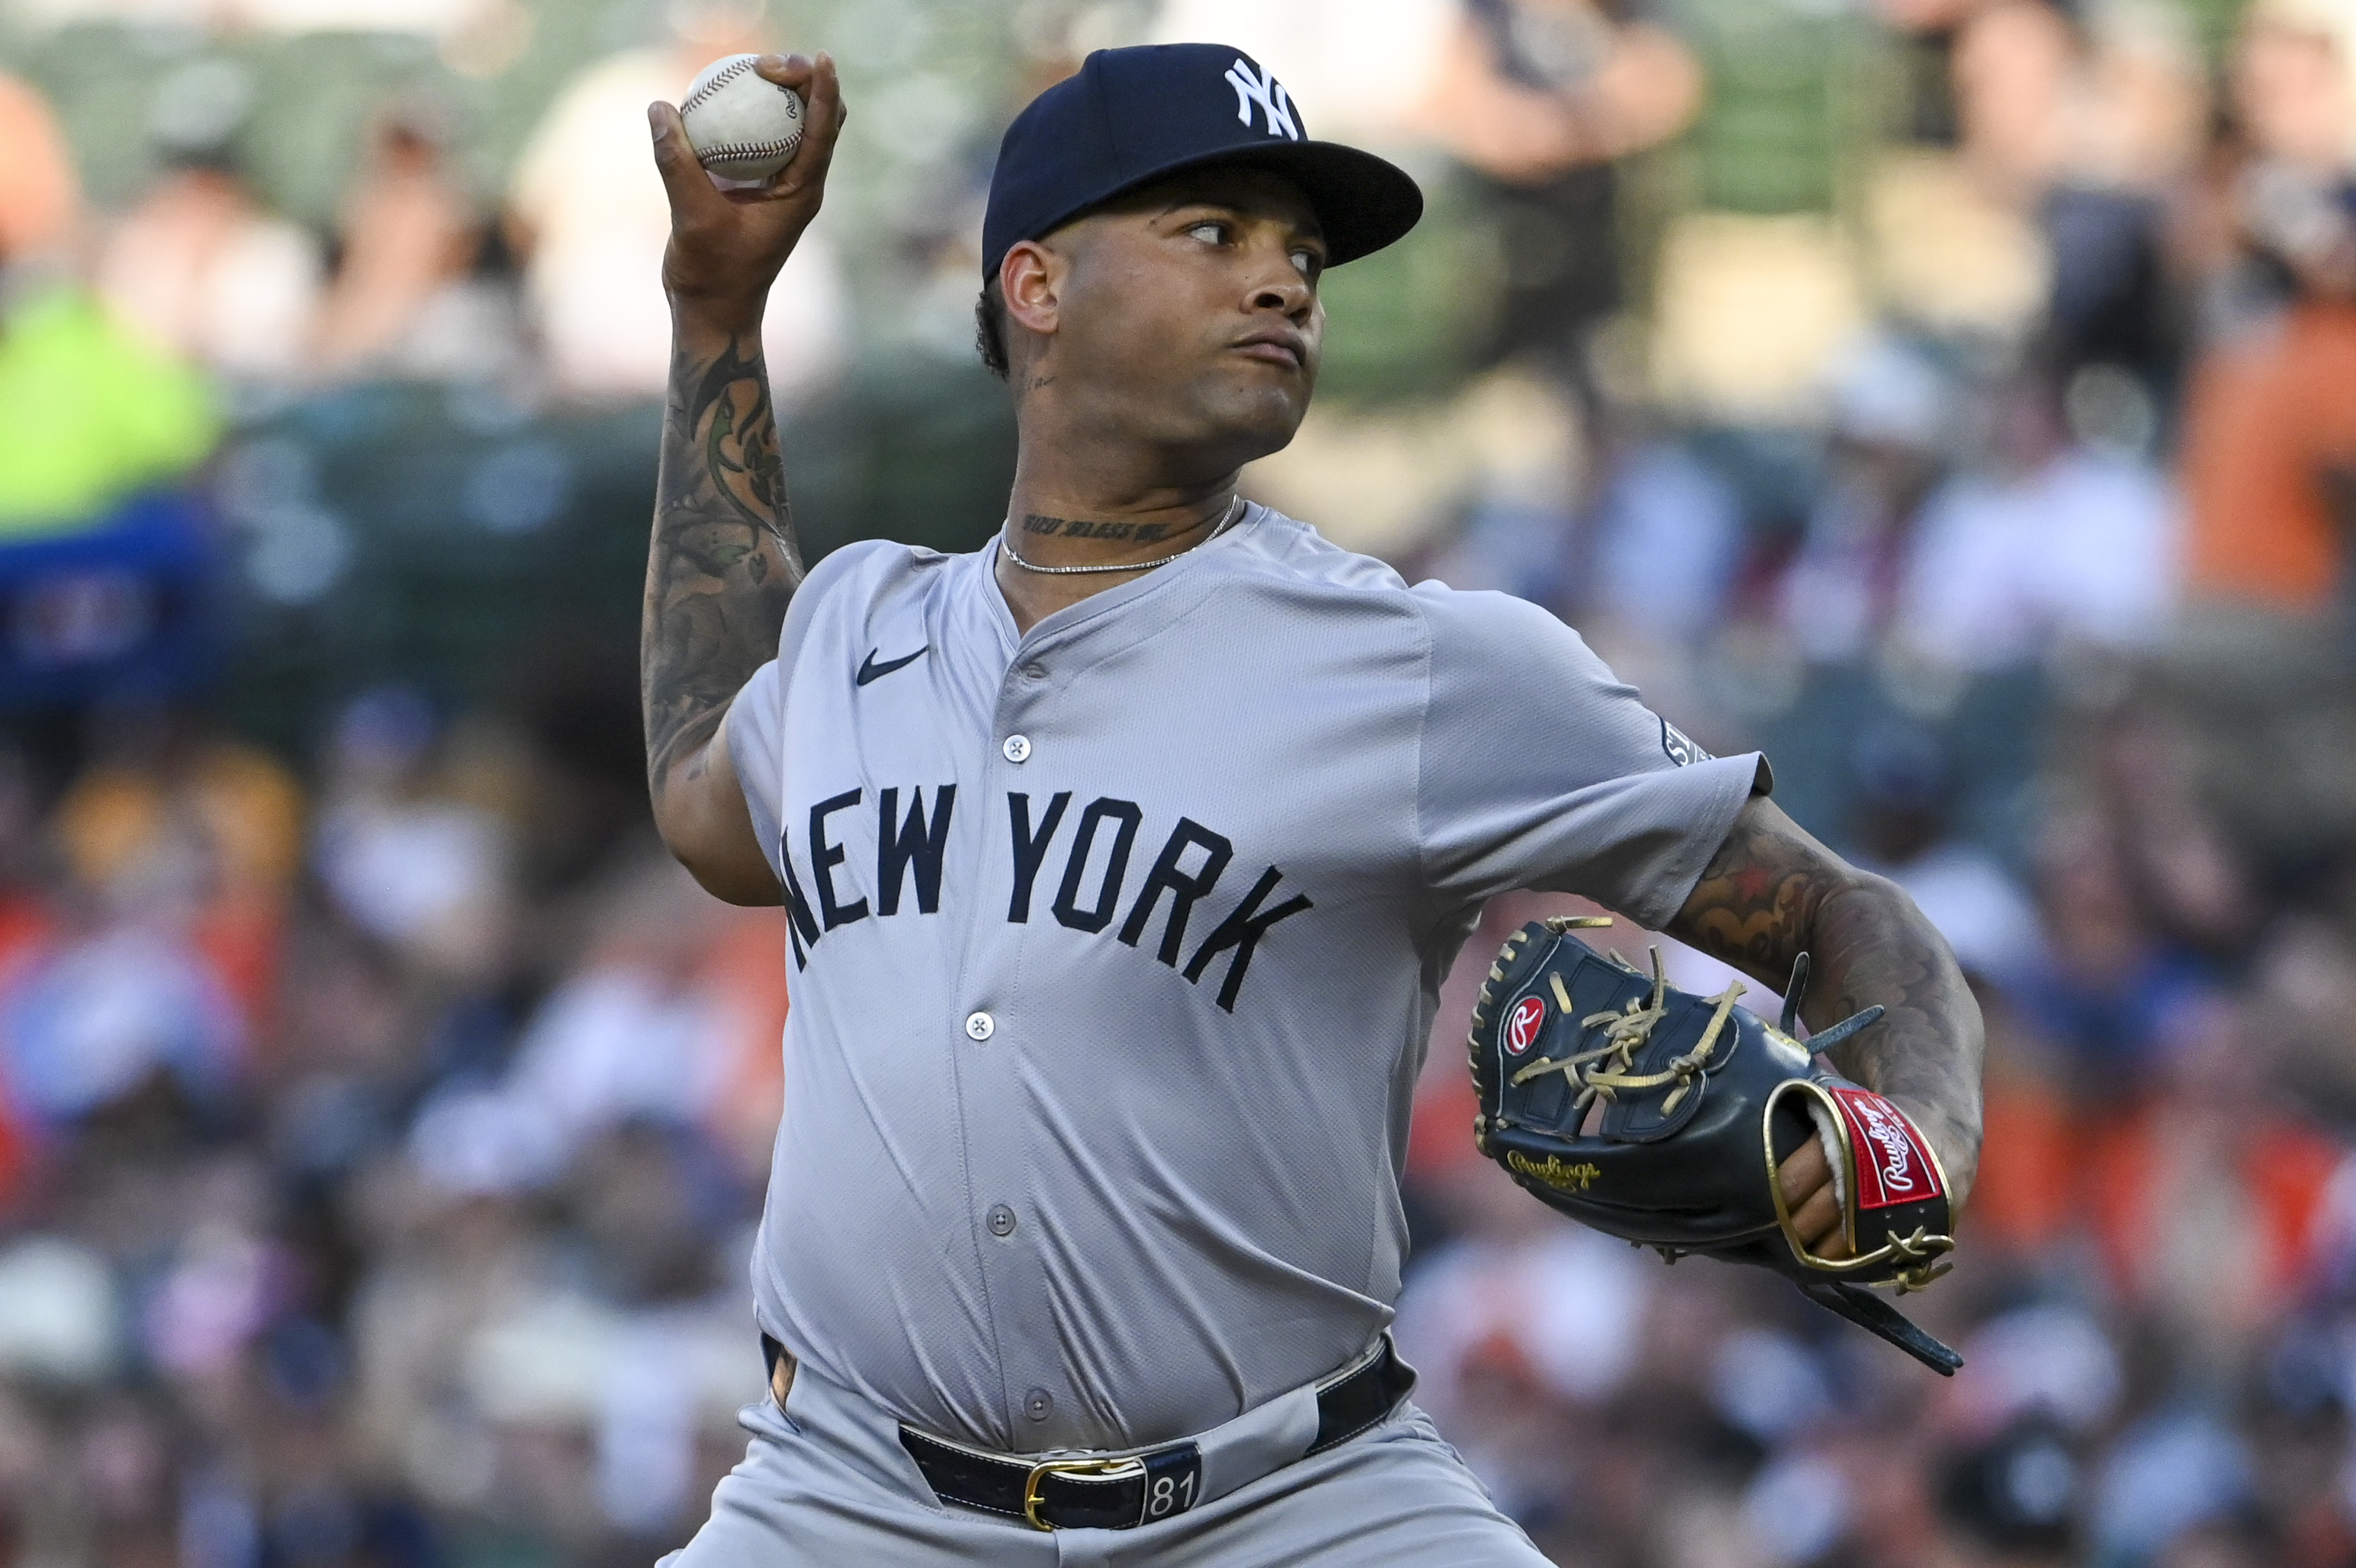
column 990, row 329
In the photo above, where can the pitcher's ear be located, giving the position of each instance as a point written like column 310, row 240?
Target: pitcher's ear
column 1031, row 278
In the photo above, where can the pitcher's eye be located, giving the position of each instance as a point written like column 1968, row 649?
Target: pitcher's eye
column 1210, row 230
column 1307, row 262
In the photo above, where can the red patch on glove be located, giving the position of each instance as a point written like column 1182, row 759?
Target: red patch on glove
column 1522, row 1028
column 1893, row 1167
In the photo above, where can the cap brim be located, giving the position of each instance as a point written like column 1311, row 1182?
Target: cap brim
column 1362, row 202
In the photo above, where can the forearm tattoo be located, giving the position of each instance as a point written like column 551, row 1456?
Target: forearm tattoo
column 1773, row 893
column 723, row 561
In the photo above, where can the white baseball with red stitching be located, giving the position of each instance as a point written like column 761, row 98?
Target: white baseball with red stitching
column 741, row 125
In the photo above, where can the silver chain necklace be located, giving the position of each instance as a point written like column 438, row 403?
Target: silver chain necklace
column 1234, row 511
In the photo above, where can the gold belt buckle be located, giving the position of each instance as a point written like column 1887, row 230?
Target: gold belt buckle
column 1106, row 1469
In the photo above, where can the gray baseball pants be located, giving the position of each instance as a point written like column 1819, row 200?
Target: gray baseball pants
column 826, row 1484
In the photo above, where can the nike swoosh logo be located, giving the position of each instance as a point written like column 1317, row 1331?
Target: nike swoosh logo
column 871, row 670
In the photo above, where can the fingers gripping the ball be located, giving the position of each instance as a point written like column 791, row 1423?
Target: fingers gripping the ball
column 813, row 82
column 744, row 127
column 727, row 244
column 675, row 160
column 823, row 112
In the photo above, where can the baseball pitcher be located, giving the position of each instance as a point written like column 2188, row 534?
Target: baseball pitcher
column 1122, row 861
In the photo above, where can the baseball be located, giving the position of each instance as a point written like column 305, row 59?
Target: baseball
column 741, row 125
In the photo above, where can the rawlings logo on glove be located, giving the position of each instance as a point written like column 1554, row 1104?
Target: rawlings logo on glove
column 1903, row 1171
column 1644, row 1110
column 1522, row 1025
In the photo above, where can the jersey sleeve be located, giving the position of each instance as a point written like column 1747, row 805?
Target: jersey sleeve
column 1539, row 768
column 757, row 721
column 756, row 716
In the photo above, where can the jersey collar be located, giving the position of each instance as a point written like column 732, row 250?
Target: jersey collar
column 1152, row 586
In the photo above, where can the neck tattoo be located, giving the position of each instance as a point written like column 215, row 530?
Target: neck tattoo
column 1140, row 533
column 1080, row 527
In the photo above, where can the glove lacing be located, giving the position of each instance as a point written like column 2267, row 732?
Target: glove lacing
column 1608, row 1070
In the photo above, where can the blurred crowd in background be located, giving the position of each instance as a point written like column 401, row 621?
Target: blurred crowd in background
column 1956, row 398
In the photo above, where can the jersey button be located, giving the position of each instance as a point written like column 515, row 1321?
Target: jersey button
column 1001, row 1220
column 1038, row 1404
column 1034, row 672
column 1017, row 749
column 980, row 1026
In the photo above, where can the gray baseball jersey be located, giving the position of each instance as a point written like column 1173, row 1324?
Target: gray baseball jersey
column 1114, row 950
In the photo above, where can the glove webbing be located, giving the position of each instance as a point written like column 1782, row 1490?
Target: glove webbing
column 1603, row 1073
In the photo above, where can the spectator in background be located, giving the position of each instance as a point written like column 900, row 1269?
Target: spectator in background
column 2083, row 119
column 2269, row 454
column 163, row 787
column 40, row 204
column 1893, row 411
column 209, row 274
column 409, row 234
column 1661, row 544
column 1521, row 1327
column 587, row 212
column 1904, row 830
column 121, row 1007
column 1541, row 98
column 2142, row 893
column 412, row 846
column 2030, row 197
column 88, row 413
column 2045, row 543
column 178, row 848
column 100, row 585
column 2208, row 1196
column 657, row 1023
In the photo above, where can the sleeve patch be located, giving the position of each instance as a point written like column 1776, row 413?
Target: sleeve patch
column 1680, row 746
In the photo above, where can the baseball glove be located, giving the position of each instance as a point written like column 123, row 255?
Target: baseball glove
column 1661, row 1117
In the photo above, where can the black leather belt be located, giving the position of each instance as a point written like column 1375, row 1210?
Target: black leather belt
column 1123, row 1492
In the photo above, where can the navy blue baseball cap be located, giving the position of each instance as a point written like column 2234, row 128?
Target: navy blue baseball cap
column 1133, row 115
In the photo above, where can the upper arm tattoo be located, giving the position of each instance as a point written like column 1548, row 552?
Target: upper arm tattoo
column 723, row 561
column 1772, row 892
column 1758, row 898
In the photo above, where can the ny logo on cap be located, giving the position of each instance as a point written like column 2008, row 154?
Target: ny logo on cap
column 1264, row 89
